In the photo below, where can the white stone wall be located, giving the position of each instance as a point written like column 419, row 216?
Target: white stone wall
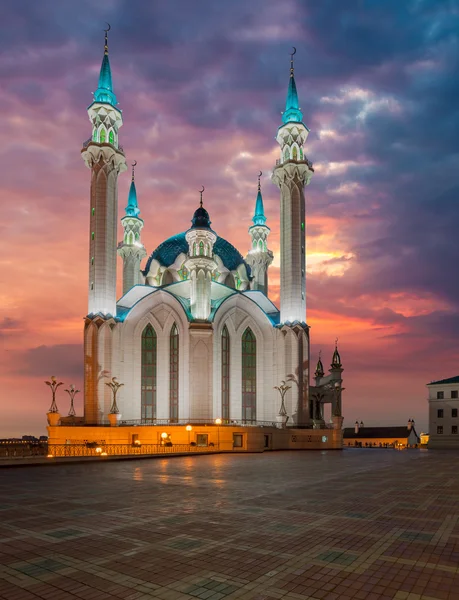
column 447, row 439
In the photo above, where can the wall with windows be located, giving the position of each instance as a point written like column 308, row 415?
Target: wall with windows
column 444, row 415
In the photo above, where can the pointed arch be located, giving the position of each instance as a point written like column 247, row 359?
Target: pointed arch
column 201, row 248
column 226, row 350
column 295, row 153
column 174, row 374
column 111, row 137
column 102, row 135
column 148, row 373
column 286, row 153
column 249, row 376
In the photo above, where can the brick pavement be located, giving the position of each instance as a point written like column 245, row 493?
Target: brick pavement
column 363, row 524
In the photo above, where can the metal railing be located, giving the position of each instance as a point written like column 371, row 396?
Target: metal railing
column 94, row 449
column 194, row 422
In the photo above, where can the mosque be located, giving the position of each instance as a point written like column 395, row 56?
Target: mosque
column 195, row 337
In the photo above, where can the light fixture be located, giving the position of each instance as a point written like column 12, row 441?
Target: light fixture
column 164, row 435
column 50, row 456
column 103, row 454
column 188, row 428
column 98, row 450
column 218, row 421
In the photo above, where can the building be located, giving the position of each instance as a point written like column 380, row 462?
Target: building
column 195, row 336
column 443, row 413
column 381, row 437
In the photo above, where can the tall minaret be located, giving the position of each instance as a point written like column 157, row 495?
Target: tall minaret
column 200, row 262
column 105, row 158
column 259, row 257
column 131, row 249
column 292, row 172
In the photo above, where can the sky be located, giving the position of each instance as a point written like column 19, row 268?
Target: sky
column 202, row 85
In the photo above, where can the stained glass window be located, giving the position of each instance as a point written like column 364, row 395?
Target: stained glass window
column 301, row 153
column 111, row 137
column 225, row 374
column 148, row 375
column 249, row 376
column 286, row 154
column 174, row 373
column 102, row 136
column 295, row 153
column 201, row 248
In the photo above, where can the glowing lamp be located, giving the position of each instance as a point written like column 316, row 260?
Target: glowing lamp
column 218, row 421
column 50, row 456
column 164, row 435
column 98, row 450
column 103, row 454
column 188, row 428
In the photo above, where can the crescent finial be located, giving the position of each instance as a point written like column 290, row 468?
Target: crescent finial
column 133, row 169
column 260, row 174
column 336, row 342
column 294, row 51
column 109, row 27
column 134, row 164
column 201, row 191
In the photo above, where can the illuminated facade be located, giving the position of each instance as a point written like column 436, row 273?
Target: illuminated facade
column 444, row 413
column 195, row 336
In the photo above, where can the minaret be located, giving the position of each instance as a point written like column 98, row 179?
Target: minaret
column 131, row 249
column 292, row 172
column 200, row 261
column 259, row 257
column 319, row 373
column 105, row 158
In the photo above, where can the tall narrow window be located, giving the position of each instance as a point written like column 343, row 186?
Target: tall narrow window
column 173, row 373
column 111, row 137
column 201, row 248
column 295, row 153
column 102, row 136
column 148, row 383
column 225, row 374
column 249, row 376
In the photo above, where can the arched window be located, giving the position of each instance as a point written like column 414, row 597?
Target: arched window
column 111, row 137
column 174, row 374
column 102, row 136
column 249, row 376
column 201, row 248
column 148, row 375
column 194, row 248
column 225, row 374
column 94, row 135
column 295, row 153
column 301, row 153
column 286, row 154
column 260, row 245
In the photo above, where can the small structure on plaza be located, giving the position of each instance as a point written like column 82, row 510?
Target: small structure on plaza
column 195, row 337
column 360, row 436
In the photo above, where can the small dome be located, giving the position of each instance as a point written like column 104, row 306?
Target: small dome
column 200, row 219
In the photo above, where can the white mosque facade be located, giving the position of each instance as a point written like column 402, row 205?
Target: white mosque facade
column 194, row 336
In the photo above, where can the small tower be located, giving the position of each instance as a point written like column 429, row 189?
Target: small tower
column 292, row 172
column 259, row 257
column 319, row 373
column 105, row 158
column 131, row 249
column 200, row 261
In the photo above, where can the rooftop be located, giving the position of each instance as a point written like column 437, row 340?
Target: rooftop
column 449, row 380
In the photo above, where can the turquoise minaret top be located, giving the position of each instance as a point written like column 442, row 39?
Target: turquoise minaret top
column 104, row 92
column 259, row 216
column 292, row 108
column 132, row 208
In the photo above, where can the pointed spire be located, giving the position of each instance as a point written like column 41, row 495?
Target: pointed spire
column 336, row 360
column 201, row 219
column 104, row 92
column 292, row 107
column 320, row 368
column 132, row 208
column 259, row 216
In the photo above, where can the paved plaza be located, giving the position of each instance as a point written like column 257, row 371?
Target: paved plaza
column 364, row 524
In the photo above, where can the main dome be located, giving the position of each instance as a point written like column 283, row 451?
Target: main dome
column 166, row 253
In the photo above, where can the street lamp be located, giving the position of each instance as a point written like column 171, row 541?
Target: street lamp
column 189, row 428
column 72, row 392
column 114, row 386
column 218, row 422
column 53, row 384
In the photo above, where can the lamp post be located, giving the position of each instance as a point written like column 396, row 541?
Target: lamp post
column 282, row 416
column 53, row 412
column 218, row 422
column 114, row 414
column 72, row 392
column 337, row 416
column 189, row 428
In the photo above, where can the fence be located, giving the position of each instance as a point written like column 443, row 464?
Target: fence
column 92, row 449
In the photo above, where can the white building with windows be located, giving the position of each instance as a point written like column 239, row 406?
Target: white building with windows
column 444, row 413
column 195, row 336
